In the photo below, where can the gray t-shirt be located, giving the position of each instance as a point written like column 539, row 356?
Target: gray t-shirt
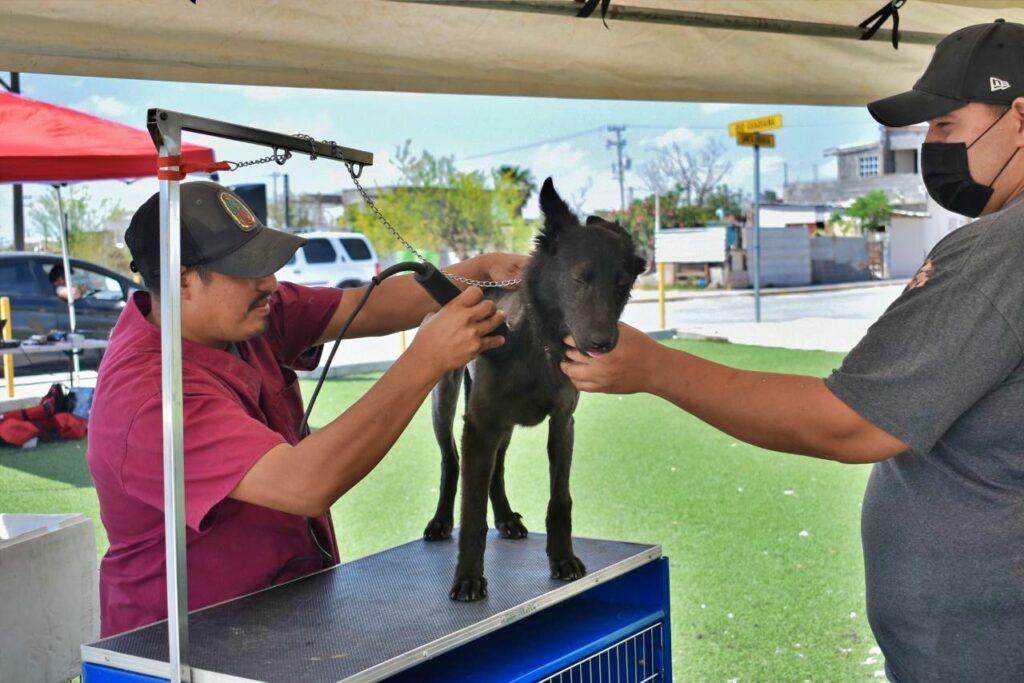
column 943, row 523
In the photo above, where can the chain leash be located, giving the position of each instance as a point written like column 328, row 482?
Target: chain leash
column 394, row 232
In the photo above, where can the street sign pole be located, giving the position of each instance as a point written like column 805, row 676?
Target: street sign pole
column 749, row 133
column 757, row 233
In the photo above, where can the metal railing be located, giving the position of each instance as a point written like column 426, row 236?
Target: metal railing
column 635, row 659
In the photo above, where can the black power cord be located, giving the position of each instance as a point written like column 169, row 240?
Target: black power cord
column 429, row 277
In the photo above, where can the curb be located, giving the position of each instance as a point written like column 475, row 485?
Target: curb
column 652, row 297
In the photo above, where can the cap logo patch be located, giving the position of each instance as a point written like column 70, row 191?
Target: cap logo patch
column 239, row 212
column 997, row 84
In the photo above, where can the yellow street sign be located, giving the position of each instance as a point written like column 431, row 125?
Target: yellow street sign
column 755, row 125
column 756, row 139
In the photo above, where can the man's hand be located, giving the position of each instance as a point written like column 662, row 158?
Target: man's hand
column 452, row 337
column 625, row 370
column 503, row 266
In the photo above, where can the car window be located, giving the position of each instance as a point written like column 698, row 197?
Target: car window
column 357, row 248
column 17, row 279
column 319, row 250
column 97, row 285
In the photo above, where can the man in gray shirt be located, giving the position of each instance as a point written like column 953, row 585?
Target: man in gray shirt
column 933, row 394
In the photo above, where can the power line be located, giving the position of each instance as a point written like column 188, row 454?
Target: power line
column 590, row 131
column 530, row 145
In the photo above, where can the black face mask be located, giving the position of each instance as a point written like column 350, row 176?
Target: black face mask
column 947, row 176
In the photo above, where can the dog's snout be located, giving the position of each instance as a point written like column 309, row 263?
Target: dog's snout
column 602, row 344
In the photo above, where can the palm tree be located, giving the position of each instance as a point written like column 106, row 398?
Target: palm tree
column 521, row 179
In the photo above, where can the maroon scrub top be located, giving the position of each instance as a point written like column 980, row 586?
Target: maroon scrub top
column 236, row 408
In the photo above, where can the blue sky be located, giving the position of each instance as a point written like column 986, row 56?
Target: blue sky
column 552, row 134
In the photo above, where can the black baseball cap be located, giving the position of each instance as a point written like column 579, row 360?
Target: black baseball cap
column 218, row 231
column 980, row 63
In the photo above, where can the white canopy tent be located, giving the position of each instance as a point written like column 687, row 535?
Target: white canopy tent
column 779, row 51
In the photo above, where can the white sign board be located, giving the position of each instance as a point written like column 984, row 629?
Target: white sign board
column 690, row 245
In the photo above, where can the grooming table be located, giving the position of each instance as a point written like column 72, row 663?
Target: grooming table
column 389, row 615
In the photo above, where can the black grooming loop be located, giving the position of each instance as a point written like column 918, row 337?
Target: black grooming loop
column 890, row 9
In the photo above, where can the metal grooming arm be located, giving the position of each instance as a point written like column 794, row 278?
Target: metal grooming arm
column 166, row 127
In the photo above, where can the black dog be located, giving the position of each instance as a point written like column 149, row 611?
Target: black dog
column 577, row 283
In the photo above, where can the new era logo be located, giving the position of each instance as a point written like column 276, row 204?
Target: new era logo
column 997, row 83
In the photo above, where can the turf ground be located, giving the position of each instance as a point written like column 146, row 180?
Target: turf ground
column 767, row 573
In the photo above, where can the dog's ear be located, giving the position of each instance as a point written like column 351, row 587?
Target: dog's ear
column 594, row 219
column 556, row 215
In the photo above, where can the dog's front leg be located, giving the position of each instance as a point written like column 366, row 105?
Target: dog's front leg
column 508, row 522
column 444, row 400
column 479, row 447
column 564, row 564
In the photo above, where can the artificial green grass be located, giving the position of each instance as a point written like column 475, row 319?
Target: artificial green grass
column 764, row 548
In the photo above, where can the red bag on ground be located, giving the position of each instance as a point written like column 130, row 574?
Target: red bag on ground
column 17, row 432
column 47, row 420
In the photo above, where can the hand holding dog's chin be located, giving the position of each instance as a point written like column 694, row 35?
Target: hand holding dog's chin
column 624, row 370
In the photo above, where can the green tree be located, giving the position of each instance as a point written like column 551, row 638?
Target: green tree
column 871, row 211
column 515, row 185
column 436, row 205
column 92, row 226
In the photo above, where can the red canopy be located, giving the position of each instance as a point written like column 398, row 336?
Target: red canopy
column 42, row 142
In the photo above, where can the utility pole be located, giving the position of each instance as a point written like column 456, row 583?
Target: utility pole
column 18, row 200
column 275, row 175
column 619, row 169
column 287, row 206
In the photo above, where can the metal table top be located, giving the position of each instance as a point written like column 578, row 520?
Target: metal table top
column 367, row 619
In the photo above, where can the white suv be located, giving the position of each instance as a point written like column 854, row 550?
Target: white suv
column 332, row 259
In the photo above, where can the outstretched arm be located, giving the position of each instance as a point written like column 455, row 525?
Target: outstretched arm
column 791, row 413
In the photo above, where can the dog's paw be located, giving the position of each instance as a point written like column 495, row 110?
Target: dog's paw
column 438, row 530
column 513, row 527
column 567, row 569
column 468, row 588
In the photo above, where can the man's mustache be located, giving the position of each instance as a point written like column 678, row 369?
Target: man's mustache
column 259, row 301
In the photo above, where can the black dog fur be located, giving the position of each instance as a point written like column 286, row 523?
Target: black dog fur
column 577, row 283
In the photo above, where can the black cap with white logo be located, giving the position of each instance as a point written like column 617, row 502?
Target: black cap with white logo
column 981, row 63
column 218, row 231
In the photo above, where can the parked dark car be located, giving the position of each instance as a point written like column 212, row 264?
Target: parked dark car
column 36, row 308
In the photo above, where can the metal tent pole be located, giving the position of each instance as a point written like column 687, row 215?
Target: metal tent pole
column 170, row 366
column 166, row 127
column 67, row 283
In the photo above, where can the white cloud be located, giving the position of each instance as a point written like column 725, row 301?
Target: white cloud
column 556, row 157
column 103, row 105
column 715, row 107
column 682, row 136
column 742, row 174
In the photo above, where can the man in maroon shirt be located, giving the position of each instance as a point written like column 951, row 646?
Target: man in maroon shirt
column 257, row 494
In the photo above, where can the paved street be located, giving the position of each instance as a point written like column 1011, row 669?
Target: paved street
column 831, row 320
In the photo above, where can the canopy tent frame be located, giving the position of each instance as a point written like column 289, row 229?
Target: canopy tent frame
column 732, row 22
column 166, row 127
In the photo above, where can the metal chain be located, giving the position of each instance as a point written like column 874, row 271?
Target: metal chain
column 280, row 159
column 387, row 224
column 276, row 157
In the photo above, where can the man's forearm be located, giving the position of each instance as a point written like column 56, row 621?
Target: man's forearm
column 791, row 413
column 339, row 455
column 400, row 303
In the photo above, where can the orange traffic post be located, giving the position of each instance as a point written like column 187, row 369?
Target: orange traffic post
column 5, row 313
